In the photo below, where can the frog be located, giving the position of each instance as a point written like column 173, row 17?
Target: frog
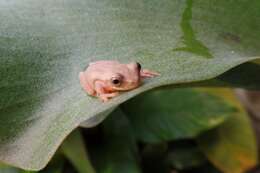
column 106, row 79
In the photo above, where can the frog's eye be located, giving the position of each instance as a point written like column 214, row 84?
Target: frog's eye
column 116, row 80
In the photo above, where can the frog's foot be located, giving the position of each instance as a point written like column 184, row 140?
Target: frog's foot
column 145, row 73
column 107, row 96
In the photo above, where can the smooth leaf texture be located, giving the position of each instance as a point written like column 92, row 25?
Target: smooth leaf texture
column 74, row 149
column 118, row 151
column 231, row 147
column 169, row 114
column 45, row 44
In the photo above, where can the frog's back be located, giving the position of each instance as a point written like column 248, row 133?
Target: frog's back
column 104, row 63
column 101, row 70
column 104, row 67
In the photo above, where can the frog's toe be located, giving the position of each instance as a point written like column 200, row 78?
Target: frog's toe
column 103, row 98
column 148, row 73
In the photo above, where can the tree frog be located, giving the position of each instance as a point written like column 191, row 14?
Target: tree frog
column 105, row 79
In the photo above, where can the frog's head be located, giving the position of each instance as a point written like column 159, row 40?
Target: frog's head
column 127, row 77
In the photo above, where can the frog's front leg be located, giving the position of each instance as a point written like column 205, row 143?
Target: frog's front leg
column 145, row 73
column 102, row 93
column 84, row 84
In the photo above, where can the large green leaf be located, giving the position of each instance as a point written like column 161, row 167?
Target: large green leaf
column 170, row 114
column 231, row 147
column 44, row 45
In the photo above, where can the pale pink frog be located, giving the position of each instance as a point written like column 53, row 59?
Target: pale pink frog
column 105, row 79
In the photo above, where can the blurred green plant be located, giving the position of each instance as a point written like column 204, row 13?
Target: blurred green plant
column 45, row 44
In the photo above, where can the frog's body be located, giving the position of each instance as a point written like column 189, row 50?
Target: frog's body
column 105, row 79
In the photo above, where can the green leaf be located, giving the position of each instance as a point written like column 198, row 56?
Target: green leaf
column 97, row 118
column 14, row 170
column 231, row 147
column 118, row 152
column 74, row 149
column 55, row 166
column 45, row 44
column 168, row 114
column 9, row 170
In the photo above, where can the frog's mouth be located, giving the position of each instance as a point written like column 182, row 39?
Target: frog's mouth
column 124, row 88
